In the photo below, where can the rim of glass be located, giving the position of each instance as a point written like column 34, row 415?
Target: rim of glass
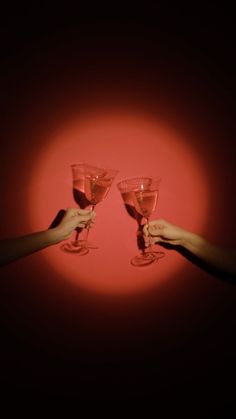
column 81, row 164
column 130, row 182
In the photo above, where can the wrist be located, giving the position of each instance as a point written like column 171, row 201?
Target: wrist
column 55, row 235
column 185, row 238
column 191, row 241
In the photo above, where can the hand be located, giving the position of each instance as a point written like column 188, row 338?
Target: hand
column 72, row 219
column 161, row 231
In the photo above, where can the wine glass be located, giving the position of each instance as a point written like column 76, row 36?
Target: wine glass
column 79, row 172
column 97, row 185
column 140, row 198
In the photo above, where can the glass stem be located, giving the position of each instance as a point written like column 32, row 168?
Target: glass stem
column 145, row 223
column 141, row 244
column 87, row 228
column 76, row 236
column 76, row 241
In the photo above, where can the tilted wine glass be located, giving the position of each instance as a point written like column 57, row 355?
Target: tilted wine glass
column 140, row 198
column 79, row 172
column 97, row 185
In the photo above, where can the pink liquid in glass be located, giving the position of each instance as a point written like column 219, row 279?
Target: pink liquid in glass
column 145, row 202
column 96, row 189
column 79, row 193
column 128, row 198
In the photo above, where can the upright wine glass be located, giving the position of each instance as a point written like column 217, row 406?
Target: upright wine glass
column 79, row 172
column 97, row 185
column 140, row 198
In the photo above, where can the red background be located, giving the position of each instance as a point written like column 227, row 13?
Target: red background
column 147, row 99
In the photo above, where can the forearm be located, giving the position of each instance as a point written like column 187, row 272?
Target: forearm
column 12, row 249
column 219, row 257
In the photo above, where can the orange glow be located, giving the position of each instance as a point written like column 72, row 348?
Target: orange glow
column 136, row 144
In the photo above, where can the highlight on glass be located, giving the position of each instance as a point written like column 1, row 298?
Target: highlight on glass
column 140, row 196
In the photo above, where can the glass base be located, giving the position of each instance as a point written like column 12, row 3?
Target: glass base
column 146, row 258
column 91, row 245
column 77, row 247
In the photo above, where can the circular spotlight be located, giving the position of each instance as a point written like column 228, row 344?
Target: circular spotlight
column 137, row 145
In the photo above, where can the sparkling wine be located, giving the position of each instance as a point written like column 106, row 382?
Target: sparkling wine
column 96, row 189
column 145, row 202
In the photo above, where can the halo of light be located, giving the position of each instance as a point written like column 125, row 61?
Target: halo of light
column 136, row 144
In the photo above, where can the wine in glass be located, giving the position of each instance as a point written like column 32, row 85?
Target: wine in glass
column 140, row 197
column 79, row 172
column 97, row 185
